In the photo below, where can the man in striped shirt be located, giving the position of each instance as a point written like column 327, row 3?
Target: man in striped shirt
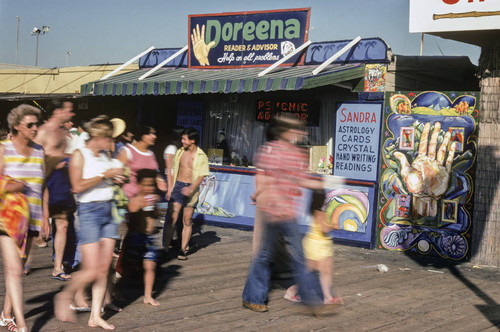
column 281, row 173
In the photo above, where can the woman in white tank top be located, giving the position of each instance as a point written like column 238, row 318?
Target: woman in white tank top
column 92, row 175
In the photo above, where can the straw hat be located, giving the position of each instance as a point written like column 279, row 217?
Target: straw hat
column 118, row 126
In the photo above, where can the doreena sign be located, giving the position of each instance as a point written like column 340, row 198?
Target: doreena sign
column 454, row 15
column 246, row 39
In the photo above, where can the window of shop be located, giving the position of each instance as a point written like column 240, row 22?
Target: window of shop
column 236, row 122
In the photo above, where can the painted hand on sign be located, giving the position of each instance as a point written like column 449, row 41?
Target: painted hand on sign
column 428, row 175
column 201, row 49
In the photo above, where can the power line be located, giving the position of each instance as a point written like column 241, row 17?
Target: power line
column 435, row 40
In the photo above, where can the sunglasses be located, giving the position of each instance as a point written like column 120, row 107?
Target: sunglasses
column 30, row 125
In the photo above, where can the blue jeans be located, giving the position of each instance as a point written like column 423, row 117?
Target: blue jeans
column 259, row 275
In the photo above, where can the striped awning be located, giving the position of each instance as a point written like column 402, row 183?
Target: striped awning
column 173, row 81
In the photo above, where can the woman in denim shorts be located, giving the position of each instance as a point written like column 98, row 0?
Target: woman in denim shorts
column 92, row 175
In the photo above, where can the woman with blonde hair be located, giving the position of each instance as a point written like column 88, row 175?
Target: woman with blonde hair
column 22, row 173
column 92, row 175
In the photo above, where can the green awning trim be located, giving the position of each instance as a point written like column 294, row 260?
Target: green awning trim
column 173, row 81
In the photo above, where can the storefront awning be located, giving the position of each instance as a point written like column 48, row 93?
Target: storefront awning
column 173, row 81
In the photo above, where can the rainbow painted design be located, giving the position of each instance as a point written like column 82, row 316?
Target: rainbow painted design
column 347, row 209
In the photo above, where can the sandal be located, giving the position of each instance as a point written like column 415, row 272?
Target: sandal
column 9, row 322
column 113, row 307
column 12, row 327
column 335, row 300
column 26, row 270
column 182, row 255
column 292, row 298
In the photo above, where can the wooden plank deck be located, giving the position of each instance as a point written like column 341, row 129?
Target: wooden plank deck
column 204, row 294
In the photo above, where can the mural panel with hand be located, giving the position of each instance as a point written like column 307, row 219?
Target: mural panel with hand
column 427, row 173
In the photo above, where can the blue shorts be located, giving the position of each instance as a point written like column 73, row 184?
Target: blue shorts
column 140, row 246
column 176, row 196
column 95, row 222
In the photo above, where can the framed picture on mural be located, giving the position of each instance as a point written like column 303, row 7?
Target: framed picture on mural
column 449, row 211
column 457, row 136
column 402, row 207
column 406, row 138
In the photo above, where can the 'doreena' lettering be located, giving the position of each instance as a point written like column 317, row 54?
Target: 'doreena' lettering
column 248, row 31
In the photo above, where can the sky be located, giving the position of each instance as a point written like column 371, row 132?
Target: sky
column 114, row 31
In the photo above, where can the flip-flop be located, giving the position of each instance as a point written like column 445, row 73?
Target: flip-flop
column 61, row 276
column 113, row 307
column 80, row 309
column 26, row 270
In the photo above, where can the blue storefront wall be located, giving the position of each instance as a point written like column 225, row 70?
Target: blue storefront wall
column 225, row 201
column 225, row 198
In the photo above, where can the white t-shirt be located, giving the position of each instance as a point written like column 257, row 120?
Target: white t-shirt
column 94, row 166
column 71, row 143
column 170, row 149
column 82, row 140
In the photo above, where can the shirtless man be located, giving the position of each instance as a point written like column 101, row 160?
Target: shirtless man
column 58, row 197
column 52, row 134
column 190, row 167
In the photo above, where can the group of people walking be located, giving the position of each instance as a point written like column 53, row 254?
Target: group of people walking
column 41, row 181
column 48, row 173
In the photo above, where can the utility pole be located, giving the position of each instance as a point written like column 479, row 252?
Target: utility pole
column 37, row 32
column 67, row 53
column 17, row 37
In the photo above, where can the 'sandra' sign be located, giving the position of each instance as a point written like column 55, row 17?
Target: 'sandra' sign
column 246, row 39
column 357, row 136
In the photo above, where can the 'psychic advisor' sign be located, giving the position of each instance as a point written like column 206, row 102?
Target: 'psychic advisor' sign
column 246, row 39
column 357, row 137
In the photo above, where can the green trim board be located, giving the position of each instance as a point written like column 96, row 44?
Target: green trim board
column 174, row 81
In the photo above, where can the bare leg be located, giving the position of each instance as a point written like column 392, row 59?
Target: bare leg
column 80, row 298
column 61, row 223
column 27, row 260
column 325, row 268
column 108, row 300
column 90, row 265
column 149, row 279
column 7, row 307
column 188, row 227
column 172, row 216
column 105, row 255
column 13, row 268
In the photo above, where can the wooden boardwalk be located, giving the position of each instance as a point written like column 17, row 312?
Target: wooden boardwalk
column 204, row 294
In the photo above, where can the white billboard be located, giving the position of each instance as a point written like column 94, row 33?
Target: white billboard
column 454, row 15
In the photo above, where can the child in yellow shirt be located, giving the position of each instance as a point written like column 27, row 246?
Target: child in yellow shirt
column 318, row 247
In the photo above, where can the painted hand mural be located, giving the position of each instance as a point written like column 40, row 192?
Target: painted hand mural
column 427, row 177
column 201, row 49
column 426, row 189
